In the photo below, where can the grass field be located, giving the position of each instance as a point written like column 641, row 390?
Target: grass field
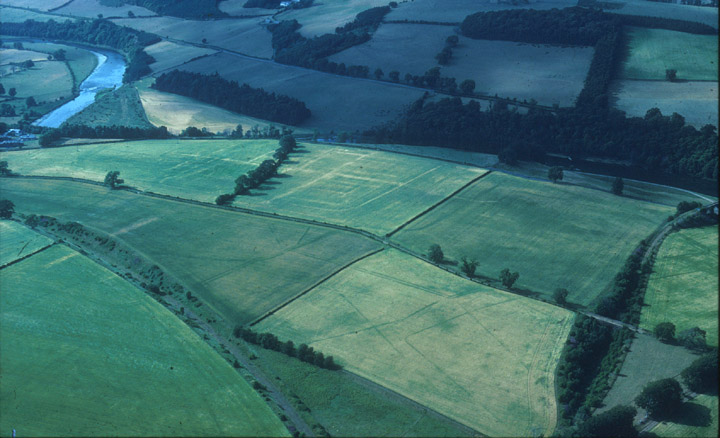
column 456, row 10
column 699, row 14
column 545, row 73
column 699, row 418
column 17, row 241
column 42, row 5
column 82, row 62
column 13, row 56
column 652, row 51
column 554, row 235
column 683, row 287
column 235, row 7
column 168, row 55
column 91, row 9
column 696, row 101
column 191, row 169
column 337, row 103
column 240, row 265
column 49, row 82
column 85, row 353
column 373, row 190
column 324, row 16
column 12, row 15
column 244, row 35
column 121, row 107
column 437, row 339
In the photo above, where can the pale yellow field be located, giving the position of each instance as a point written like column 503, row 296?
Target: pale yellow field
column 324, row 16
column 168, row 55
column 91, row 9
column 9, row 56
column 480, row 356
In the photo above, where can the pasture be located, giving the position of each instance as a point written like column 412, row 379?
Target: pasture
column 674, row 11
column 455, row 11
column 90, row 354
column 235, row 8
column 121, row 107
column 13, row 56
column 42, row 5
column 696, row 101
column 372, row 190
column 337, row 103
column 168, row 55
column 554, row 235
column 438, row 339
column 82, row 62
column 324, row 16
column 49, row 82
column 697, row 418
column 18, row 241
column 547, row 74
column 236, row 34
column 238, row 264
column 652, row 51
column 91, row 9
column 683, row 287
column 13, row 15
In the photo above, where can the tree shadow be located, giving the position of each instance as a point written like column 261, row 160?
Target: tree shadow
column 448, row 262
column 525, row 292
column 289, row 161
column 256, row 194
column 283, row 175
column 692, row 414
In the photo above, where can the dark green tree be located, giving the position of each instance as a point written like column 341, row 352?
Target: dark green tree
column 452, row 41
column 12, row 92
column 393, row 75
column 288, row 348
column 113, row 180
column 32, row 221
column 4, row 169
column 330, row 364
column 224, row 199
column 435, row 253
column 617, row 186
column 59, row 55
column 665, row 332
column 560, row 296
column 661, row 398
column 702, row 375
column 671, row 74
column 469, row 266
column 7, row 208
column 17, row 45
column 2, row 89
column 508, row 278
column 617, row 422
column 28, row 64
column 319, row 359
column 467, row 86
column 555, row 174
column 693, row 339
column 288, row 143
column 379, row 73
column 30, row 102
column 443, row 58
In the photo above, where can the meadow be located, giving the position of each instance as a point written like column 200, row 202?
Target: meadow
column 168, row 55
column 91, row 9
column 547, row 74
column 454, row 11
column 240, row 265
column 693, row 421
column 13, row 56
column 13, row 15
column 324, row 16
column 683, row 287
column 120, row 107
column 554, row 235
column 337, row 103
column 17, row 241
column 372, row 190
column 674, row 11
column 90, row 354
column 652, row 51
column 82, row 62
column 42, row 5
column 48, row 82
column 438, row 339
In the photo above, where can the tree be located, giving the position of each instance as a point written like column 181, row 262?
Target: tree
column 702, row 375
column 319, row 359
column 17, row 45
column 12, row 92
column 560, row 296
column 616, row 422
column 693, row 339
column 7, row 208
column 288, row 143
column 330, row 364
column 2, row 89
column 30, row 102
column 288, row 348
column 618, row 186
column 394, row 76
column 443, row 58
column 508, row 278
column 4, row 169
column 131, row 14
column 224, row 199
column 379, row 73
column 435, row 253
column 113, row 180
column 671, row 74
column 555, row 174
column 469, row 266
column 32, row 221
column 661, row 398
column 665, row 332
column 452, row 41
column 28, row 64
column 467, row 86
column 238, row 132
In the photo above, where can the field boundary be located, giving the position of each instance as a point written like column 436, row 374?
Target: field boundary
column 26, row 256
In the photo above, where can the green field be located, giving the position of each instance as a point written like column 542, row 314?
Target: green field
column 694, row 420
column 120, row 107
column 82, row 62
column 240, row 265
column 91, row 9
column 49, row 82
column 191, row 169
column 42, row 5
column 438, row 339
column 168, row 55
column 373, row 190
column 84, row 353
column 324, row 17
column 652, row 51
column 10, row 56
column 17, row 241
column 12, row 15
column 683, row 287
column 554, row 235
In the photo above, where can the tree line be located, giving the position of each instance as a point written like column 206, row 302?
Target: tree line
column 271, row 342
column 243, row 99
column 49, row 138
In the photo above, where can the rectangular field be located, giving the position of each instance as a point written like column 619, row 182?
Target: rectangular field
column 240, row 265
column 18, row 241
column 13, row 15
column 652, row 51
column 13, row 56
column 683, row 287
column 168, row 55
column 554, row 235
column 372, row 190
column 90, row 354
column 438, row 339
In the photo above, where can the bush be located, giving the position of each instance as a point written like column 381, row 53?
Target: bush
column 617, row 422
column 665, row 332
column 693, row 339
column 661, row 398
column 435, row 253
column 702, row 375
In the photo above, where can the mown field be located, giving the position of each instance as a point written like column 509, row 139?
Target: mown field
column 240, row 265
column 698, row 418
column 438, row 339
column 18, row 241
column 324, row 16
column 337, row 103
column 91, row 9
column 652, row 51
column 121, row 107
column 554, row 235
column 372, row 190
column 455, row 11
column 683, row 287
column 168, row 55
column 85, row 353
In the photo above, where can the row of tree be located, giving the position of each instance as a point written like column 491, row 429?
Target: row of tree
column 271, row 342
column 243, row 99
column 49, row 138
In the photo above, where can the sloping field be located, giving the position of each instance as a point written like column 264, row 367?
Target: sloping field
column 241, row 265
column 694, row 420
column 324, row 16
column 120, row 107
column 168, row 55
column 373, row 190
column 337, row 103
column 455, row 11
column 82, row 62
column 696, row 101
column 17, row 241
column 240, row 35
column 12, row 15
column 42, row 5
column 437, row 339
column 683, row 287
column 675, row 11
column 91, row 9
column 235, row 7
column 547, row 74
column 554, row 235
column 13, row 56
column 191, row 169
column 652, row 51
column 85, row 353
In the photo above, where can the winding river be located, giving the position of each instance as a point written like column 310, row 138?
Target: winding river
column 107, row 74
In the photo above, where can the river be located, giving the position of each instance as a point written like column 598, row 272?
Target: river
column 107, row 74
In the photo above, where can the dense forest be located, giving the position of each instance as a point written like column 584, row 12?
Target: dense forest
column 176, row 8
column 243, row 99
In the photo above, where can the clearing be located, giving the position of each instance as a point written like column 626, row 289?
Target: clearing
column 554, row 235
column 438, row 339
column 82, row 62
column 49, row 82
column 683, row 287
column 241, row 265
column 92, row 355
column 373, row 190
column 18, row 241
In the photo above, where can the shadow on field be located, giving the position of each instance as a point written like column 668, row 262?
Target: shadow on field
column 526, row 292
column 283, row 175
column 692, row 414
